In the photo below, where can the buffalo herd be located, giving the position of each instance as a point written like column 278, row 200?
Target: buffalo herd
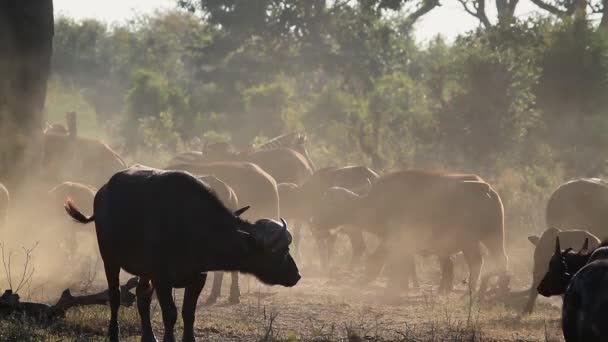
column 171, row 225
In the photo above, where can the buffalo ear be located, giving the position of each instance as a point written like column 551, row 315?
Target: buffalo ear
column 240, row 212
column 533, row 239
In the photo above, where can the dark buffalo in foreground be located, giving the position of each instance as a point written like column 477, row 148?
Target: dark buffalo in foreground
column 169, row 228
column 544, row 250
column 585, row 307
column 565, row 263
column 424, row 212
column 580, row 204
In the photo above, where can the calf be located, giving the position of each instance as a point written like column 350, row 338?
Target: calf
column 543, row 252
column 169, row 228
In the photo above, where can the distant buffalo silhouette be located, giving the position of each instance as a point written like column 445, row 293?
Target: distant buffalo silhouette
column 580, row 204
column 418, row 211
column 78, row 159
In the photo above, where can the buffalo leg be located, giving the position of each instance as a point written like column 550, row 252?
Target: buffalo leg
column 235, row 291
column 321, row 241
column 144, row 297
column 216, row 289
column 410, row 269
column 113, row 278
column 376, row 261
column 531, row 299
column 191, row 295
column 357, row 243
column 533, row 293
column 475, row 261
column 331, row 247
column 165, row 299
column 446, row 264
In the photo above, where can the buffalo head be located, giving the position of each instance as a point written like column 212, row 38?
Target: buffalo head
column 558, row 275
column 269, row 258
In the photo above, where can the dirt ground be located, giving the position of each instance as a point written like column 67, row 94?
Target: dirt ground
column 334, row 306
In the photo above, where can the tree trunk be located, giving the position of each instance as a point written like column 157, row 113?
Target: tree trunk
column 604, row 21
column 26, row 43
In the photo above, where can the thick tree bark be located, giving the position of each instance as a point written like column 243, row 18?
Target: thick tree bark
column 26, row 43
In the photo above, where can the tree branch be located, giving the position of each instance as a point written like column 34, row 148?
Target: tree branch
column 549, row 8
column 478, row 11
column 427, row 6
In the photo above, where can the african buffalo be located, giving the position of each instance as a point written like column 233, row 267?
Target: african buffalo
column 169, row 228
column 585, row 307
column 580, row 204
column 431, row 212
column 564, row 264
column 78, row 159
column 543, row 251
column 283, row 164
column 251, row 184
column 581, row 278
column 298, row 201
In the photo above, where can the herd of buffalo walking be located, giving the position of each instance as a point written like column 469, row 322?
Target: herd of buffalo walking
column 220, row 210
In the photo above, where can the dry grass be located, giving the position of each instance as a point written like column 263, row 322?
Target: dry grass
column 327, row 309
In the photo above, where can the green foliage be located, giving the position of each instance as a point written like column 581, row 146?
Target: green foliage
column 492, row 112
column 526, row 95
column 572, row 94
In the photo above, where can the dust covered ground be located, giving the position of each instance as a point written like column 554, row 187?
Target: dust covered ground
column 324, row 306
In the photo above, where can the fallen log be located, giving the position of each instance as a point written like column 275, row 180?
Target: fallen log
column 10, row 305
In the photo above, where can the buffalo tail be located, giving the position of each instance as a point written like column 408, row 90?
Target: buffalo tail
column 75, row 214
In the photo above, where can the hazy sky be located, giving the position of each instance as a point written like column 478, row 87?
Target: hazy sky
column 449, row 19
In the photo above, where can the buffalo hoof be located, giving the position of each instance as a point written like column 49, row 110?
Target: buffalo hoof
column 528, row 309
column 169, row 337
column 113, row 333
column 188, row 338
column 149, row 338
column 234, row 300
column 212, row 299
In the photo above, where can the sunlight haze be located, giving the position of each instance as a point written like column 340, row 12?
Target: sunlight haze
column 448, row 20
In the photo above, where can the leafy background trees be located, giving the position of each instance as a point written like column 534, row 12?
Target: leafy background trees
column 520, row 101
